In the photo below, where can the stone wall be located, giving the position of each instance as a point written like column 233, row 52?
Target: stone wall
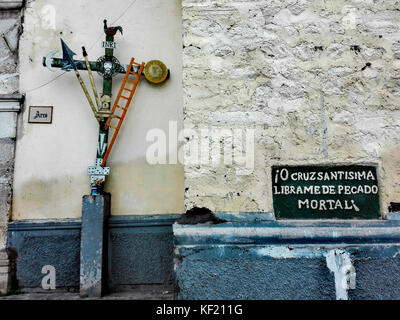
column 318, row 81
column 9, row 108
column 10, row 27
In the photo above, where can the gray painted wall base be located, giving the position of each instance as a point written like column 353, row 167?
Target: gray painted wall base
column 10, row 105
column 93, row 271
column 134, row 241
column 288, row 260
column 141, row 250
column 290, row 255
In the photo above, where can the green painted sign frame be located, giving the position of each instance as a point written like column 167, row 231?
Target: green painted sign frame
column 326, row 192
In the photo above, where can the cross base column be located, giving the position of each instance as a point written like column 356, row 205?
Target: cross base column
column 93, row 270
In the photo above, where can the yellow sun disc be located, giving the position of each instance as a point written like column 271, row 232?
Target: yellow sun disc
column 155, row 71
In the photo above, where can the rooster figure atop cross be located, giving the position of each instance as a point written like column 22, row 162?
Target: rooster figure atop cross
column 111, row 31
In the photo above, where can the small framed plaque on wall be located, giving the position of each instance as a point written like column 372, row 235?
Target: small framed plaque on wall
column 40, row 114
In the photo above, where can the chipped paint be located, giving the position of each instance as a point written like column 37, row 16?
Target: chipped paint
column 339, row 262
column 282, row 252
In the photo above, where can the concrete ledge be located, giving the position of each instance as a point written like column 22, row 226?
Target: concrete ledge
column 246, row 217
column 286, row 232
column 10, row 105
column 37, row 243
column 393, row 216
column 11, row 102
column 44, row 224
column 142, row 220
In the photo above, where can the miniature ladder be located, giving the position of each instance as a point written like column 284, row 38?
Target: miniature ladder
column 117, row 104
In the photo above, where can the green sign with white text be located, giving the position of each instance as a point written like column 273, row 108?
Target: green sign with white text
column 325, row 192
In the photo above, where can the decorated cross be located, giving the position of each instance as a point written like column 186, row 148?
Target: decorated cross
column 107, row 66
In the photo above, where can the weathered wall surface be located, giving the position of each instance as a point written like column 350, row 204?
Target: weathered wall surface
column 9, row 108
column 52, row 160
column 37, row 244
column 10, row 26
column 317, row 80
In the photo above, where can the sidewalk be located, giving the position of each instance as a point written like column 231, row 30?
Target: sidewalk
column 144, row 292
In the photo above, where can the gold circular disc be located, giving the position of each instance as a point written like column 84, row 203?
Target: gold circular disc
column 155, row 71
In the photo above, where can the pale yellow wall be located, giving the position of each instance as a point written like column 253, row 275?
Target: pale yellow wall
column 52, row 160
column 296, row 72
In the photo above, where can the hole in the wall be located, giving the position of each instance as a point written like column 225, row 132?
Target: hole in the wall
column 394, row 207
column 198, row 215
column 355, row 48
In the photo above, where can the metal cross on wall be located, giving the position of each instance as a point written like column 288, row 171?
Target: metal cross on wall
column 107, row 66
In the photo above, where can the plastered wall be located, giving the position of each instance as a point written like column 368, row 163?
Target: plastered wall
column 318, row 81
